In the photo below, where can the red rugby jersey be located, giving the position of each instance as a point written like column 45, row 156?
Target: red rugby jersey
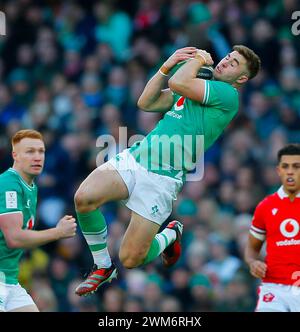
column 276, row 220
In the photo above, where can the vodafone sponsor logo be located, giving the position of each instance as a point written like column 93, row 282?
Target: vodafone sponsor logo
column 180, row 104
column 288, row 243
column 289, row 228
column 174, row 115
column 30, row 223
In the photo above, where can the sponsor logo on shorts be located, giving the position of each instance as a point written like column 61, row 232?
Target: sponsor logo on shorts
column 269, row 297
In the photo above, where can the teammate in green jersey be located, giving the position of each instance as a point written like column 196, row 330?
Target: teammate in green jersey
column 149, row 175
column 18, row 200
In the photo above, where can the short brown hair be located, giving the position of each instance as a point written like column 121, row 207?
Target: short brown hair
column 26, row 133
column 253, row 60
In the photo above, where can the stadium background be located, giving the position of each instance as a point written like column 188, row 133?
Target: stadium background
column 74, row 71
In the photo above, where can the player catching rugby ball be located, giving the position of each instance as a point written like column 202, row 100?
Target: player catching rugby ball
column 149, row 175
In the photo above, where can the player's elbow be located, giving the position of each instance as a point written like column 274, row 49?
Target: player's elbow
column 12, row 243
column 142, row 105
column 14, row 240
column 172, row 83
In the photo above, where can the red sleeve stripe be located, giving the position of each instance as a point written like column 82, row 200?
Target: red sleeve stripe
column 258, row 230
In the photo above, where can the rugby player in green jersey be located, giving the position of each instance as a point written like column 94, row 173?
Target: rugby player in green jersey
column 18, row 200
column 148, row 176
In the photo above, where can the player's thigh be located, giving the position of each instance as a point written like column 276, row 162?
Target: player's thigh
column 138, row 236
column 19, row 300
column 102, row 185
column 26, row 308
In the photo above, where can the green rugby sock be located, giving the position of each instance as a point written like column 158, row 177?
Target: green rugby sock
column 94, row 229
column 160, row 242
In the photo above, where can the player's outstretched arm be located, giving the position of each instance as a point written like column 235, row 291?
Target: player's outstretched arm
column 184, row 81
column 16, row 237
column 257, row 268
column 154, row 97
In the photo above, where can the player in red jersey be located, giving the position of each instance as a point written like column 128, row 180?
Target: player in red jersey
column 276, row 221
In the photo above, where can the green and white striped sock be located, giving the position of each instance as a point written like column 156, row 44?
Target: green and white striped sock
column 94, row 230
column 160, row 242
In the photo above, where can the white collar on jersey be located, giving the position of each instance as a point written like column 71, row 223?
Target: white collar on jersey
column 282, row 194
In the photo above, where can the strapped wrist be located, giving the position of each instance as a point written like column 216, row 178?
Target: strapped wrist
column 164, row 70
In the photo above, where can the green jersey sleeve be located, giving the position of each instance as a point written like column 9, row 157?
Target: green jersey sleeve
column 220, row 95
column 11, row 197
column 221, row 105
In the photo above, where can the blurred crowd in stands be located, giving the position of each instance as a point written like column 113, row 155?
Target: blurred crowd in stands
column 75, row 69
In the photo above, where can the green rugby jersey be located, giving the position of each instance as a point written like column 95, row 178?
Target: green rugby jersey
column 16, row 196
column 173, row 147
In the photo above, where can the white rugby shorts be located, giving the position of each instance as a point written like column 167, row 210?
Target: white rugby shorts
column 150, row 195
column 13, row 297
column 278, row 297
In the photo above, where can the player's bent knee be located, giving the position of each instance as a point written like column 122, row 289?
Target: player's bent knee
column 79, row 200
column 82, row 203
